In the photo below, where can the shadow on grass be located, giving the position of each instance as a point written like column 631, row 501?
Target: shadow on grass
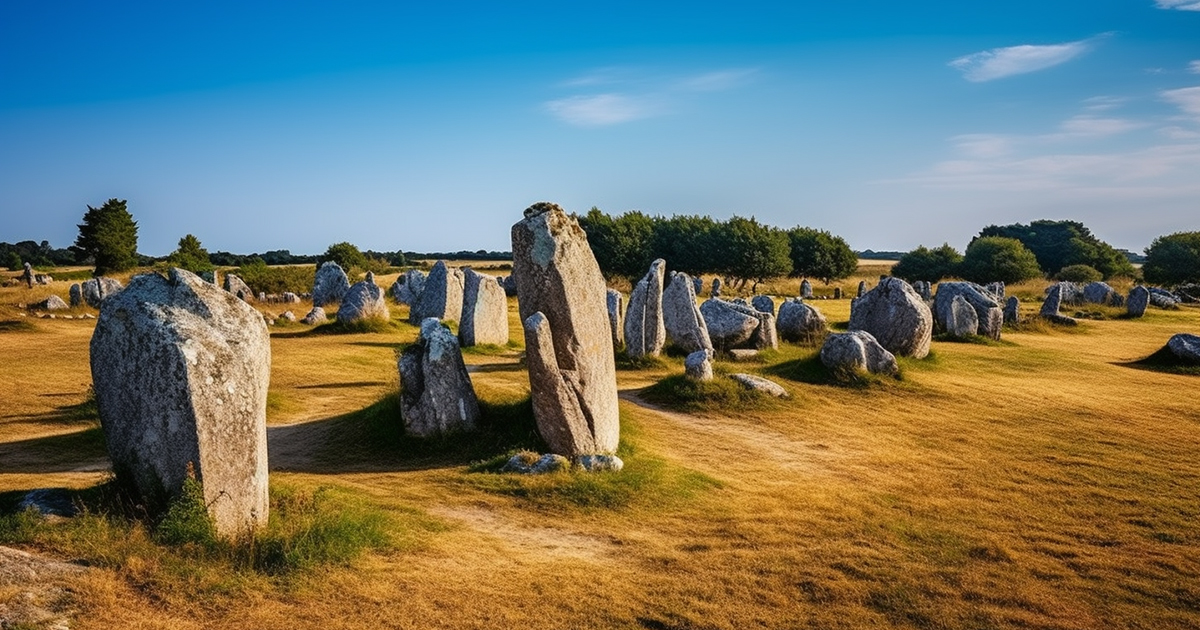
column 67, row 452
column 79, row 413
column 16, row 325
column 350, row 384
column 335, row 327
column 1165, row 361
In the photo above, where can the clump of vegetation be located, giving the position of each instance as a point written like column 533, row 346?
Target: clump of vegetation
column 809, row 369
column 1173, row 259
column 721, row 393
column 929, row 265
column 995, row 258
column 1059, row 244
column 1078, row 273
column 108, row 235
column 626, row 362
column 262, row 278
column 369, row 325
column 190, row 255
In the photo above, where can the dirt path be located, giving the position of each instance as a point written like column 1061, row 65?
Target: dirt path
column 33, row 590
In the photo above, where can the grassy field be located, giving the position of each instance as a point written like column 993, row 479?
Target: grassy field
column 1046, row 481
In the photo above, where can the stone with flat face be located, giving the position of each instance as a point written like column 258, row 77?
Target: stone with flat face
column 854, row 351
column 645, row 331
column 1012, row 310
column 441, row 297
column 236, row 286
column 698, row 365
column 1186, row 347
column 484, row 317
column 896, row 316
column 616, row 317
column 562, row 302
column 681, row 316
column 181, row 369
column 436, row 395
column 989, row 316
column 806, row 289
column 95, row 290
column 363, row 301
column 1139, row 299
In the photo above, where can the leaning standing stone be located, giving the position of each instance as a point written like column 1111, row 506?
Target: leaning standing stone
column 436, row 396
column 442, row 295
column 330, row 284
column 616, row 316
column 315, row 316
column 236, row 286
column 682, row 318
column 572, row 374
column 484, row 317
column 1054, row 299
column 645, row 331
column 180, row 369
column 896, row 316
column 1139, row 299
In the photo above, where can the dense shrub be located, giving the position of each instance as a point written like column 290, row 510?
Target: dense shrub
column 995, row 258
column 927, row 264
column 1078, row 273
column 821, row 255
column 1058, row 244
column 264, row 279
column 1173, row 259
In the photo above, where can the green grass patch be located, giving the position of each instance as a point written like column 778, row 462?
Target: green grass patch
column 335, row 327
column 720, row 394
column 1163, row 360
column 979, row 340
column 626, row 362
column 809, row 369
column 17, row 326
column 78, row 274
column 492, row 350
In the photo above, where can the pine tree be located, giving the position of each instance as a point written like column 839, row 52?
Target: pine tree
column 108, row 235
column 190, row 255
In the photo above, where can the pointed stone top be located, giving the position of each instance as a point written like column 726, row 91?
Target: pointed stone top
column 541, row 207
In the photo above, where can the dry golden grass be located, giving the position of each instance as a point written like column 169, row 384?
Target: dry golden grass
column 1042, row 482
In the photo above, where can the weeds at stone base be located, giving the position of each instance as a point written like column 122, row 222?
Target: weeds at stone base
column 809, row 369
column 720, row 394
column 336, row 327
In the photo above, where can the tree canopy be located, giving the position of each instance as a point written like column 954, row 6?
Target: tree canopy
column 995, row 258
column 749, row 250
column 930, row 265
column 1173, row 259
column 191, row 255
column 818, row 254
column 345, row 254
column 1057, row 244
column 108, row 236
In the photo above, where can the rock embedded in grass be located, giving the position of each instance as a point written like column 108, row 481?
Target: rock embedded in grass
column 437, row 396
column 442, row 295
column 760, row 384
column 799, row 322
column 1185, row 347
column 484, row 318
column 896, row 317
column 181, row 369
column 569, row 350
column 315, row 316
column 698, row 365
column 856, row 351
column 361, row 302
column 52, row 303
column 989, row 316
column 1139, row 299
column 681, row 317
column 736, row 325
column 1100, row 293
column 645, row 331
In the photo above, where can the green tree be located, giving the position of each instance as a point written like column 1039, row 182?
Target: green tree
column 1058, row 244
column 1173, row 259
column 1078, row 273
column 346, row 255
column 687, row 243
column 821, row 255
column 995, row 258
column 930, row 265
column 621, row 245
column 749, row 250
column 108, row 235
column 190, row 255
column 14, row 262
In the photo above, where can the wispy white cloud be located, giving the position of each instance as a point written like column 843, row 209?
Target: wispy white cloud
column 599, row 76
column 1093, row 127
column 1186, row 99
column 1103, row 103
column 1175, row 132
column 1180, row 5
column 1194, row 67
column 601, row 109
column 998, row 63
column 983, row 145
column 717, row 81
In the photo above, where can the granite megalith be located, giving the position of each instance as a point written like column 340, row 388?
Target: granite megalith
column 1139, row 299
column 895, row 316
column 484, row 317
column 681, row 316
column 441, row 297
column 856, row 351
column 436, row 395
column 330, row 284
column 407, row 288
column 989, row 315
column 361, row 302
column 645, row 331
column 616, row 317
column 799, row 322
column 237, row 286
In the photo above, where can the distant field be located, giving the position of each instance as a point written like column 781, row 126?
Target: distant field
column 1039, row 482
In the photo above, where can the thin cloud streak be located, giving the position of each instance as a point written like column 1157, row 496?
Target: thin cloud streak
column 1178, row 5
column 717, row 81
column 1186, row 99
column 613, row 108
column 600, row 109
column 998, row 63
column 1194, row 67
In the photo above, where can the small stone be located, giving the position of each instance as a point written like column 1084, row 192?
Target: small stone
column 315, row 316
column 288, row 316
column 698, row 365
column 806, row 289
column 52, row 303
column 1139, row 299
column 616, row 317
column 1012, row 310
column 600, row 463
column 855, row 351
column 760, row 384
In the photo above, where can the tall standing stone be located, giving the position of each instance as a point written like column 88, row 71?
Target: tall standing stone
column 484, row 317
column 330, row 284
column 698, row 285
column 441, row 298
column 989, row 316
column 837, row 293
column 76, row 294
column 1139, row 299
column 862, row 288
column 27, row 276
column 616, row 317
column 180, row 369
column 1012, row 310
column 436, row 395
column 716, row 288
column 572, row 374
column 806, row 289
column 645, row 332
column 957, row 317
column 896, row 316
column 681, row 317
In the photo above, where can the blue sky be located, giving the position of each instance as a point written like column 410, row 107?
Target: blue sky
column 431, row 126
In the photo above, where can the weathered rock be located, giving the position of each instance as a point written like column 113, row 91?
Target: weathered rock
column 76, row 295
column 95, row 290
column 862, row 288
column 698, row 365
column 180, row 370
column 989, row 316
column 716, row 288
column 995, row 290
column 728, row 327
column 958, row 318
column 1163, row 298
column 763, row 303
column 1052, row 303
column 1069, row 293
column 599, row 463
column 697, row 285
column 760, row 384
column 645, row 331
column 1099, row 293
column 923, row 289
column 436, row 394
column 361, row 302
column 315, row 316
column 510, row 286
column 1139, row 299
column 896, row 316
column 548, row 463
column 234, row 285
column 1186, row 347
column 681, row 317
column 288, row 316
column 330, row 284
column 52, row 303
column 408, row 287
column 1012, row 310
column 484, row 317
column 806, row 289
column 27, row 275
column 262, row 296
column 290, row 298
column 856, row 351
column 442, row 295
column 569, row 350
column 616, row 317
column 799, row 322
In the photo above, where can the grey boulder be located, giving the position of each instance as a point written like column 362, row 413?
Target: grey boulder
column 857, row 351
column 96, row 289
column 989, row 316
column 681, row 316
column 896, row 316
column 363, row 301
column 1139, row 299
column 436, row 395
column 698, row 365
column 315, row 316
column 1099, row 293
column 408, row 287
column 763, row 303
column 645, row 331
column 330, row 284
column 236, row 286
column 1186, row 347
column 484, row 317
column 799, row 322
column 806, row 289
column 52, row 303
column 1012, row 310
column 760, row 384
column 442, row 295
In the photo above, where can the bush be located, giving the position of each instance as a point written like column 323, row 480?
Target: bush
column 821, row 255
column 1078, row 273
column 1173, row 259
column 191, row 256
column 1058, row 244
column 187, row 520
column 14, row 262
column 930, row 265
column 275, row 280
column 995, row 258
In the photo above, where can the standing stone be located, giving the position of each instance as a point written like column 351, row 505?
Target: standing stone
column 1053, row 301
column 95, row 290
column 442, row 296
column 698, row 365
column 697, row 285
column 484, row 312
column 76, row 293
column 896, row 316
column 1139, row 299
column 408, row 287
column 862, row 288
column 763, row 303
column 616, row 317
column 1012, row 310
column 681, row 317
column 806, row 289
column 857, row 351
column 957, row 317
column 27, row 276
column 180, row 369
column 330, row 284
column 315, row 316
column 837, row 293
column 799, row 322
column 572, row 374
column 989, row 316
column 436, row 395
column 1098, row 293
column 236, row 286
column 510, row 286
column 716, row 288
column 645, row 331
column 361, row 302
column 923, row 289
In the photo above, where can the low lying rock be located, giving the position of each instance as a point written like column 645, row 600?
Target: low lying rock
column 799, row 322
column 698, row 365
column 52, row 303
column 315, row 316
column 524, row 463
column 1186, row 347
column 760, row 384
column 857, row 351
